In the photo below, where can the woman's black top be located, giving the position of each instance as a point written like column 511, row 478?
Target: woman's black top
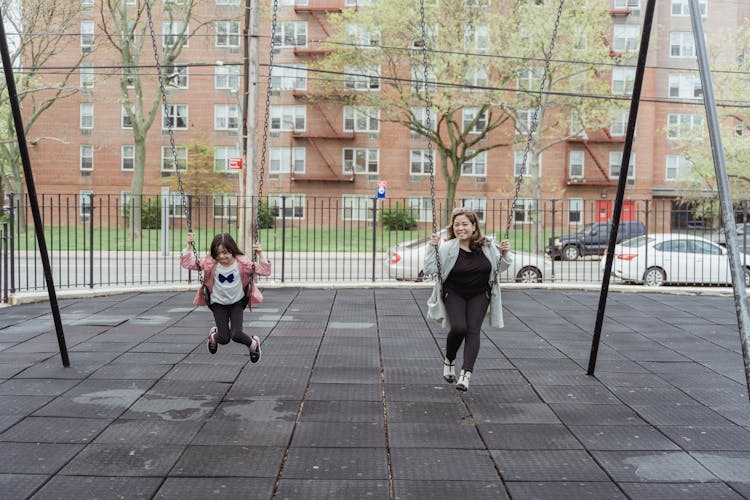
column 470, row 275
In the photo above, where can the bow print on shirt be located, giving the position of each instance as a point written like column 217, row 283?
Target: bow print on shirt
column 229, row 278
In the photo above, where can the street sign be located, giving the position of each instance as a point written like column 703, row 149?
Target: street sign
column 381, row 189
column 235, row 163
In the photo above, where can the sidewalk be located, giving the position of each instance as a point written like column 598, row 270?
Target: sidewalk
column 348, row 400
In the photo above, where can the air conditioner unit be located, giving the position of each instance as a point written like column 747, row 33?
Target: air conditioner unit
column 85, row 131
column 480, row 180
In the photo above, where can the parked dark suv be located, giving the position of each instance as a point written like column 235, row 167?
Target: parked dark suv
column 591, row 240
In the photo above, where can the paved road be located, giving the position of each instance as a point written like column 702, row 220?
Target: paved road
column 348, row 401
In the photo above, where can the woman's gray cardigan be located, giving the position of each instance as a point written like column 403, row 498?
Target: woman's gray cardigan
column 448, row 251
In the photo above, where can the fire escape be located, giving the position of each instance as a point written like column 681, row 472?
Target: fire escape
column 586, row 142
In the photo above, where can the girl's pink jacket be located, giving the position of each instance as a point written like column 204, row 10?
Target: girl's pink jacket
column 246, row 266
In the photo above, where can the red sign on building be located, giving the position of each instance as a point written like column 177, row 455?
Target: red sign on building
column 235, row 164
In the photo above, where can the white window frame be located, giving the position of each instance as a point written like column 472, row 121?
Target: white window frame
column 476, row 167
column 180, row 79
column 420, row 116
column 419, row 158
column 363, row 36
column 85, row 200
column 575, row 206
column 523, row 119
column 526, row 208
column 291, row 34
column 517, row 164
column 172, row 31
column 361, row 119
column 227, row 78
column 226, row 117
column 175, row 206
column 576, row 164
column 681, row 8
column 477, row 37
column 366, row 78
column 626, row 37
column 227, row 206
column 477, row 78
column 127, row 154
column 283, row 159
column 166, row 158
column 681, row 44
column 125, row 122
column 86, row 157
column 417, row 79
column 86, row 113
column 356, row 207
column 177, row 114
column 87, row 35
column 529, row 79
column 618, row 122
column 615, row 162
column 222, row 155
column 468, row 114
column 288, row 77
column 227, row 33
column 627, row 4
column 86, row 74
column 681, row 125
column 288, row 118
column 227, row 2
column 360, row 161
column 294, row 206
column 684, row 86
column 420, row 207
column 676, row 167
column 623, row 80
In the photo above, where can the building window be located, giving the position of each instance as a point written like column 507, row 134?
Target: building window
column 289, row 77
column 362, row 78
column 176, row 205
column 420, row 117
column 222, row 155
column 420, row 162
column 477, row 205
column 129, row 75
column 361, row 160
column 87, row 115
column 292, row 34
column 576, row 165
column 518, row 164
column 623, row 80
column 523, row 212
column 176, row 116
column 177, row 77
column 681, row 44
column 124, row 202
column 626, row 37
column 578, row 123
column 685, row 86
column 87, row 157
column 173, row 31
column 477, row 37
column 417, row 80
column 361, row 119
column 683, row 126
column 287, row 160
column 226, row 117
column 228, row 78
column 682, row 7
column 225, row 206
column 524, row 118
column 530, row 79
column 471, row 126
column 87, row 75
column 618, row 123
column 627, row 4
column 86, row 199
column 290, row 206
column 288, row 118
column 357, row 207
column 357, row 3
column 420, row 207
column 476, row 166
column 127, row 158
column 227, row 2
column 430, row 36
column 227, row 33
column 362, row 35
column 125, row 121
column 87, row 35
column 575, row 209
column 615, row 162
column 677, row 167
column 167, row 158
column 476, row 78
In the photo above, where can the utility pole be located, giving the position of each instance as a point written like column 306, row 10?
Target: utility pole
column 250, row 123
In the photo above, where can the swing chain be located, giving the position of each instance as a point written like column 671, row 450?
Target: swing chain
column 266, row 120
column 428, row 125
column 533, row 124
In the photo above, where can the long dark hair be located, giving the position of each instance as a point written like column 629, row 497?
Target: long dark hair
column 225, row 240
column 477, row 239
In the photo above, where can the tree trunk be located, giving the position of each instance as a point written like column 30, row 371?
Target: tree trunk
column 136, row 187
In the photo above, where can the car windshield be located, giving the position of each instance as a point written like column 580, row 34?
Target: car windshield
column 638, row 241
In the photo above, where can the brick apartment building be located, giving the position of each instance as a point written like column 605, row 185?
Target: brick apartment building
column 83, row 145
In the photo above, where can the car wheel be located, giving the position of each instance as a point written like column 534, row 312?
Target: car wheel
column 570, row 252
column 529, row 275
column 654, row 277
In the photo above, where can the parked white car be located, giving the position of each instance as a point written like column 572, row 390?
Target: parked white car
column 405, row 262
column 658, row 259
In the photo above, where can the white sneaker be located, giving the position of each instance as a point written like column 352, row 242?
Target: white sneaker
column 449, row 371
column 463, row 381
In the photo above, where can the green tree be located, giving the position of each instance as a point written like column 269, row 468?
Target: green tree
column 483, row 73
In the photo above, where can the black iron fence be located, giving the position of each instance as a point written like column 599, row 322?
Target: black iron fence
column 94, row 243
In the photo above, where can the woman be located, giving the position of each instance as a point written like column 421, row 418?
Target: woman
column 469, row 263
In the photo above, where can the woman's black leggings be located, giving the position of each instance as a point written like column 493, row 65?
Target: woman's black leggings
column 465, row 317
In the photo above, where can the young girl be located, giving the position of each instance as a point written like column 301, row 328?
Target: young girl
column 468, row 265
column 228, row 274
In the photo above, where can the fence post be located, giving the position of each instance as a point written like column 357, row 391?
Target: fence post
column 4, row 251
column 374, row 232
column 12, row 241
column 91, row 242
column 551, row 250
column 165, row 206
column 283, row 235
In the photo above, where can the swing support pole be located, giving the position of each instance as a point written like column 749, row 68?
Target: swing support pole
column 722, row 184
column 31, row 188
column 622, row 181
